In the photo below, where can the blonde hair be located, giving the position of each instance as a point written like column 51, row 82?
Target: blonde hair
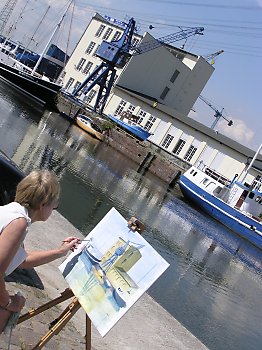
column 39, row 187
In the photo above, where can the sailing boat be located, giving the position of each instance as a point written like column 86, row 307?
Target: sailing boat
column 234, row 203
column 27, row 81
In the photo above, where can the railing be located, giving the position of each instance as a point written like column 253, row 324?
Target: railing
column 213, row 173
column 257, row 184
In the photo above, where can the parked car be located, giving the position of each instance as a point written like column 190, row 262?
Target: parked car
column 10, row 175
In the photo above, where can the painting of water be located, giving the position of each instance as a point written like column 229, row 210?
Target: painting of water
column 111, row 269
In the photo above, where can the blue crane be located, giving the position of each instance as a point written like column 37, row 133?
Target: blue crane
column 115, row 54
column 217, row 115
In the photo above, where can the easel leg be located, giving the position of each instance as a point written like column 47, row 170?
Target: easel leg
column 62, row 320
column 88, row 333
column 66, row 294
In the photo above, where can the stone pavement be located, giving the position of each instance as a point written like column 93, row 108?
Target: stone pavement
column 145, row 326
column 28, row 333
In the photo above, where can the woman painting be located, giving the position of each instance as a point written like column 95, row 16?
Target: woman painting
column 36, row 197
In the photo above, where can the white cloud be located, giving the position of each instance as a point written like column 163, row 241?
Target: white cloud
column 239, row 131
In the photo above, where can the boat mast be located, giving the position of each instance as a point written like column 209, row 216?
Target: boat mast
column 6, row 13
column 252, row 162
column 32, row 37
column 13, row 26
column 49, row 41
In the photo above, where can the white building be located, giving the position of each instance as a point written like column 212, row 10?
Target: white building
column 159, row 86
column 83, row 59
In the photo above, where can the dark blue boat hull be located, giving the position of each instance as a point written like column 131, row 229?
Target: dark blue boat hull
column 43, row 91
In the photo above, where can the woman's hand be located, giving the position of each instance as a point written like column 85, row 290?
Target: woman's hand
column 69, row 243
column 17, row 303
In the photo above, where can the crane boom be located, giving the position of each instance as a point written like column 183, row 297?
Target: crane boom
column 218, row 114
column 168, row 39
column 211, row 56
column 115, row 54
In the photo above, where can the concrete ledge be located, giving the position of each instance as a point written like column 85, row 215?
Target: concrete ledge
column 145, row 326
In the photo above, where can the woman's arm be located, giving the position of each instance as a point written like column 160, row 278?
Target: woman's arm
column 10, row 240
column 37, row 258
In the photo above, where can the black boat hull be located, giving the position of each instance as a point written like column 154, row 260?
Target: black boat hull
column 43, row 91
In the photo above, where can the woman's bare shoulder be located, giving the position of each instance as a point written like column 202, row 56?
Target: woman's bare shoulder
column 18, row 224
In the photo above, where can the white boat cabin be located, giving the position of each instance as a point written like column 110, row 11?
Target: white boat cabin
column 247, row 198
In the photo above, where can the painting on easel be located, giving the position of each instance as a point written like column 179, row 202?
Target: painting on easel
column 111, row 269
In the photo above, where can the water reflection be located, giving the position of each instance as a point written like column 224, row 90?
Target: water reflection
column 214, row 280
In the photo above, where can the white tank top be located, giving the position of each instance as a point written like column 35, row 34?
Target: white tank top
column 9, row 213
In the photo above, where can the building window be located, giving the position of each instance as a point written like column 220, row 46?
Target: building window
column 135, row 42
column 90, row 96
column 90, row 48
column 149, row 123
column 115, row 78
column 69, row 83
column 141, row 115
column 80, row 64
column 189, row 155
column 131, row 108
column 96, row 50
column 100, row 30
column 164, row 93
column 179, row 147
column 77, row 84
column 116, row 36
column 107, row 33
column 168, row 139
column 174, row 76
column 87, row 67
column 120, row 107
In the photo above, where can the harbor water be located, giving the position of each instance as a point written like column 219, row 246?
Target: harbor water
column 213, row 285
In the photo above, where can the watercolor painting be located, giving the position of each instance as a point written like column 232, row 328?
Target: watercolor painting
column 111, row 269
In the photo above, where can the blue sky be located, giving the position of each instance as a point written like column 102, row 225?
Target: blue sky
column 235, row 27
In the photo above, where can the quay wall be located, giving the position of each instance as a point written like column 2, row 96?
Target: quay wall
column 148, row 156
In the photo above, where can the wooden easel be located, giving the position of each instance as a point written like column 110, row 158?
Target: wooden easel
column 57, row 325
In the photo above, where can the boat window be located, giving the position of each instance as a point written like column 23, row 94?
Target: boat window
column 258, row 198
column 195, row 173
column 251, row 195
column 205, row 181
column 217, row 190
column 210, row 184
column 191, row 172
